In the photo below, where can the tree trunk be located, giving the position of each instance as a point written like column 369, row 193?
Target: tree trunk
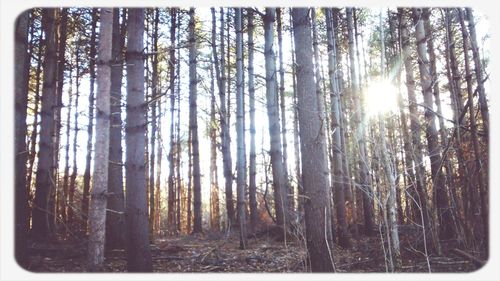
column 364, row 178
column 58, row 200
column 478, row 69
column 296, row 144
column 220, row 73
column 171, row 177
column 115, row 221
column 90, row 127
column 72, row 182
column 279, row 181
column 214, row 182
column 240, row 132
column 138, row 252
column 478, row 205
column 441, row 196
column 252, row 189
column 22, row 59
column 44, row 179
column 279, row 27
column 313, row 151
column 154, row 125
column 193, row 124
column 336, row 128
column 98, row 204
column 62, row 210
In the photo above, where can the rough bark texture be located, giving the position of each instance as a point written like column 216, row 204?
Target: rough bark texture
column 193, row 124
column 313, row 150
column 98, row 204
column 115, row 221
column 138, row 251
column 44, row 178
column 279, row 181
column 22, row 60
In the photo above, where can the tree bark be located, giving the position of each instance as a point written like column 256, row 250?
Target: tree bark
column 98, row 204
column 441, row 195
column 280, row 194
column 313, row 150
column 44, row 178
column 252, row 189
column 193, row 124
column 115, row 221
column 336, row 128
column 240, row 132
column 22, row 59
column 138, row 251
column 90, row 126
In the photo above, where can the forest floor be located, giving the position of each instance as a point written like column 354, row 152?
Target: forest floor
column 216, row 252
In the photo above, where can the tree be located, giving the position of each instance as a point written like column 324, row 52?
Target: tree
column 44, row 179
column 444, row 215
column 337, row 149
column 98, row 204
column 364, row 178
column 240, row 133
column 115, row 221
column 138, row 251
column 252, row 187
column 279, row 181
column 171, row 163
column 21, row 99
column 90, row 126
column 193, row 123
column 313, row 150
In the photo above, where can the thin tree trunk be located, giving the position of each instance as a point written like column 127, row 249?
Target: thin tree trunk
column 115, row 221
column 313, row 151
column 364, row 178
column 336, row 129
column 171, row 177
column 44, row 179
column 90, row 126
column 251, row 100
column 441, row 195
column 61, row 67
column 479, row 205
column 478, row 69
column 138, row 252
column 22, row 58
column 240, row 132
column 193, row 124
column 417, row 146
column 72, row 183
column 98, row 204
column 214, row 183
column 64, row 194
column 154, row 125
column 279, row 27
column 296, row 144
column 279, row 182
column 220, row 73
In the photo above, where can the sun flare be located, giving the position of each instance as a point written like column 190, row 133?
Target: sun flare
column 380, row 97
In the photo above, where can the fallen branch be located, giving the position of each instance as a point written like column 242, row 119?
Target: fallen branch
column 466, row 255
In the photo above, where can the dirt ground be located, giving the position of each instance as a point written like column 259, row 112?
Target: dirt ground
column 218, row 252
